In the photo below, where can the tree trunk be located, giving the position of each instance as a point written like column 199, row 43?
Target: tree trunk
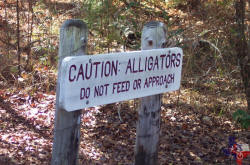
column 241, row 48
column 18, row 37
column 73, row 40
column 149, row 117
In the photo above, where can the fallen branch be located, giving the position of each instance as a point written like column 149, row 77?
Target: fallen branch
column 211, row 44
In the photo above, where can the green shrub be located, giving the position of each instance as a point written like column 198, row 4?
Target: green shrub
column 242, row 117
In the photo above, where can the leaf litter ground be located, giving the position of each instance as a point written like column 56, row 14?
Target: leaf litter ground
column 195, row 127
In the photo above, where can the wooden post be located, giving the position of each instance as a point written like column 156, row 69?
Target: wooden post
column 148, row 125
column 73, row 40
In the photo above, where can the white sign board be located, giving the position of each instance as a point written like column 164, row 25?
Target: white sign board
column 87, row 81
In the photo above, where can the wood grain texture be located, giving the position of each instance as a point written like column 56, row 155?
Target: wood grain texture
column 73, row 41
column 148, row 125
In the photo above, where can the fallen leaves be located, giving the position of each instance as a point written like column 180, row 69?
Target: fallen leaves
column 26, row 131
column 189, row 133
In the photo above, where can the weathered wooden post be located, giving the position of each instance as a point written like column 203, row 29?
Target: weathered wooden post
column 148, row 125
column 73, row 40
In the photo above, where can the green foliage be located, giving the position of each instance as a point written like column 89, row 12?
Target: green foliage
column 103, row 20
column 242, row 117
column 225, row 3
column 112, row 21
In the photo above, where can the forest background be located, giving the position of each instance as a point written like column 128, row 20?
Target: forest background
column 197, row 120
